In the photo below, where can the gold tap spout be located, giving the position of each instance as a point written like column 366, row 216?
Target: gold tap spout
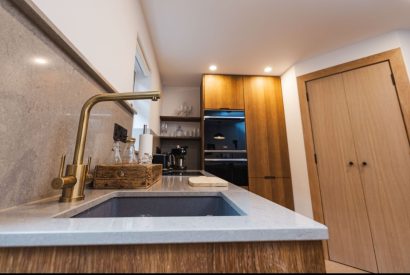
column 76, row 175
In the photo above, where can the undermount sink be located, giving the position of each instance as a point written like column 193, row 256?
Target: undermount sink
column 170, row 206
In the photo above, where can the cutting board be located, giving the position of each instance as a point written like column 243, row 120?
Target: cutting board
column 203, row 181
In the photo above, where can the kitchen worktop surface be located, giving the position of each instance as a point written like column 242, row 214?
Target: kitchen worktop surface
column 47, row 222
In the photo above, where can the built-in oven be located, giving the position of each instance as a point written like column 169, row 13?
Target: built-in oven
column 225, row 153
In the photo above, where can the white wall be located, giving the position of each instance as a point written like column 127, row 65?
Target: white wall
column 404, row 37
column 353, row 52
column 299, row 172
column 105, row 33
column 297, row 152
column 173, row 97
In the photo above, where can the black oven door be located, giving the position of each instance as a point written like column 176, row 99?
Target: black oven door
column 224, row 130
column 232, row 170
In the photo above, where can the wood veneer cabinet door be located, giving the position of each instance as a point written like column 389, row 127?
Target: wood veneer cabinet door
column 345, row 214
column 277, row 190
column 382, row 143
column 265, row 128
column 223, row 92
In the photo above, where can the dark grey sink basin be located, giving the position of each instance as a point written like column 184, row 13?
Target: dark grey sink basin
column 181, row 206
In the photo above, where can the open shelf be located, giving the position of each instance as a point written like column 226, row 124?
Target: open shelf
column 180, row 118
column 180, row 138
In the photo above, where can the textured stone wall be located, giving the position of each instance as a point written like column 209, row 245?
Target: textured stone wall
column 39, row 111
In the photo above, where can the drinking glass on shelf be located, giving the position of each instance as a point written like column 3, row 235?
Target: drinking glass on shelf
column 180, row 110
column 179, row 132
column 164, row 129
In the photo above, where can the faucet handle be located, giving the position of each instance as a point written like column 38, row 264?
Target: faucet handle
column 62, row 164
column 63, row 181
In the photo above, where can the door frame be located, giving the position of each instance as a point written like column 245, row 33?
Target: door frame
column 398, row 68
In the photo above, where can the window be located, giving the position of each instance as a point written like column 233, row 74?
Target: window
column 142, row 82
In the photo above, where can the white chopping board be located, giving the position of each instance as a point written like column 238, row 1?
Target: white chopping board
column 204, row 181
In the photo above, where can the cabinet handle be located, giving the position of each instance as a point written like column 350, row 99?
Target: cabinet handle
column 364, row 163
column 351, row 163
column 270, row 177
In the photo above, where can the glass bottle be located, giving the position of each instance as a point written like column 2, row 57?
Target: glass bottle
column 179, row 132
column 115, row 157
column 164, row 129
column 128, row 154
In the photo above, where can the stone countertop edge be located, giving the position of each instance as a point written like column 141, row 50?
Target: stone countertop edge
column 47, row 223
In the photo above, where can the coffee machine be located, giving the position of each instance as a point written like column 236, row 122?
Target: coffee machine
column 179, row 153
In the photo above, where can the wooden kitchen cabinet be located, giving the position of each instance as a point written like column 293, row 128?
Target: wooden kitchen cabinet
column 265, row 128
column 267, row 257
column 266, row 140
column 267, row 147
column 223, row 92
column 278, row 190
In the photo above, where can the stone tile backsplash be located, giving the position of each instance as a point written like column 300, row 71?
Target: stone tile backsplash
column 39, row 110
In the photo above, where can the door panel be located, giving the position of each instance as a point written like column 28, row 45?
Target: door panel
column 276, row 190
column 265, row 128
column 343, row 201
column 256, row 130
column 382, row 142
column 223, row 92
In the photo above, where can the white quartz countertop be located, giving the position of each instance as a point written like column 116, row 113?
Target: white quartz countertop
column 47, row 222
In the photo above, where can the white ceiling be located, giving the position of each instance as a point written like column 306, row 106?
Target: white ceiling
column 244, row 36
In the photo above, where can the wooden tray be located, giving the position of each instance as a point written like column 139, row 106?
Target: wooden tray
column 126, row 176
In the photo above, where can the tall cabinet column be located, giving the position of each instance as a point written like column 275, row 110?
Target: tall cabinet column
column 268, row 158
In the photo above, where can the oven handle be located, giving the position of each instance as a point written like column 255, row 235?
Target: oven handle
column 225, row 117
column 226, row 160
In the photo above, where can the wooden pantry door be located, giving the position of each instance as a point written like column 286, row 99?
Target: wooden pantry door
column 384, row 154
column 344, row 208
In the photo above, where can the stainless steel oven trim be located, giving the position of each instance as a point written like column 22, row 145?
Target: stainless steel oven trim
column 226, row 160
column 224, row 117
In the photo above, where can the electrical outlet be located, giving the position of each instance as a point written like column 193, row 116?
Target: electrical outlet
column 120, row 133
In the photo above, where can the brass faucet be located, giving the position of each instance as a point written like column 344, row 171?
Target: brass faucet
column 76, row 174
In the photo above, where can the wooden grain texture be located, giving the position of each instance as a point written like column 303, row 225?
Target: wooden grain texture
column 223, row 92
column 126, row 176
column 265, row 128
column 278, row 190
column 266, row 257
column 336, row 268
column 345, row 213
column 403, row 89
column 277, row 257
column 382, row 142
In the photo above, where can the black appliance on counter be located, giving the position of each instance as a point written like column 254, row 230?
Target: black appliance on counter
column 225, row 153
column 173, row 161
column 179, row 153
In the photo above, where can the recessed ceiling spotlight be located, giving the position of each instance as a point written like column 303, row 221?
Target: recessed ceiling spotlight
column 213, row 67
column 268, row 69
column 40, row 60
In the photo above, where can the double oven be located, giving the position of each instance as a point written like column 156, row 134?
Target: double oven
column 225, row 153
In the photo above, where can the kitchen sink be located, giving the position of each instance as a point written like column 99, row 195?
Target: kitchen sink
column 174, row 206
